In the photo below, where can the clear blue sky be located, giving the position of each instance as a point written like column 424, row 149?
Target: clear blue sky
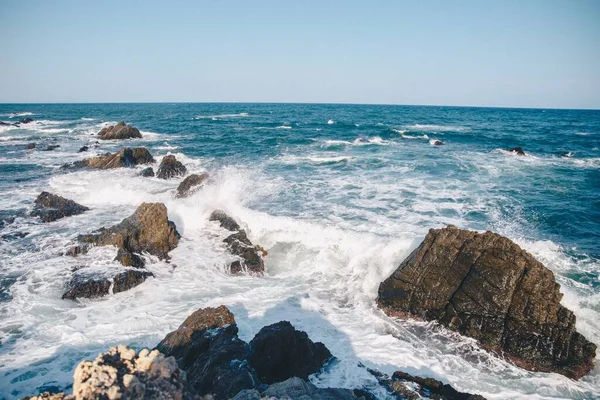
column 525, row 53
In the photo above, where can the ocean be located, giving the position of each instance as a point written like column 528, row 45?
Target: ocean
column 338, row 195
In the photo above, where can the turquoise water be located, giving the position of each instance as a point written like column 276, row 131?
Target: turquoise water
column 338, row 194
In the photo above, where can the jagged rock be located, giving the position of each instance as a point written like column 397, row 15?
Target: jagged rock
column 83, row 148
column 206, row 346
column 120, row 373
column 239, row 245
column 517, row 150
column 25, row 121
column 129, row 259
column 169, row 168
column 191, row 185
column 30, row 146
column 50, row 207
column 486, row 287
column 13, row 236
column 119, row 131
column 415, row 387
column 280, row 352
column 225, row 221
column 51, row 147
column 147, row 172
column 74, row 251
column 147, row 230
column 127, row 157
column 90, row 287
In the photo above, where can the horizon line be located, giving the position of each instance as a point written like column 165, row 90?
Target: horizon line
column 299, row 103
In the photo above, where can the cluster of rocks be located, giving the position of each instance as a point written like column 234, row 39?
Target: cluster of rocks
column 119, row 131
column 17, row 123
column 205, row 359
column 486, row 287
column 239, row 245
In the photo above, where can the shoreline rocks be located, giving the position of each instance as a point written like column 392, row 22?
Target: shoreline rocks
column 170, row 167
column 190, row 185
column 50, row 207
column 87, row 286
column 119, row 131
column 486, row 287
column 126, row 157
column 239, row 245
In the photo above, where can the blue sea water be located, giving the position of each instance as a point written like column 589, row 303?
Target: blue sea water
column 338, row 194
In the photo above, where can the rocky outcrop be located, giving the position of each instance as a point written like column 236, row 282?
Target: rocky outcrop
column 414, row 387
column 169, row 168
column 296, row 388
column 25, row 120
column 147, row 172
column 280, row 352
column 191, row 185
column 50, row 207
column 206, row 346
column 84, row 285
column 516, row 150
column 486, row 287
column 83, row 148
column 238, row 243
column 127, row 157
column 147, row 230
column 119, row 131
column 30, row 146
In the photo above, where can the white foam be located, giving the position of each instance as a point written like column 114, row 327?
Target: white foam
column 330, row 122
column 219, row 116
column 284, row 127
column 437, row 128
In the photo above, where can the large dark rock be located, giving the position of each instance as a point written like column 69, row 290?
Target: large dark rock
column 414, row 388
column 206, row 346
column 239, row 245
column 296, row 388
column 191, row 185
column 169, row 168
column 147, row 172
column 50, row 207
column 147, row 230
column 51, row 147
column 83, row 148
column 280, row 352
column 486, row 287
column 25, row 120
column 517, row 150
column 84, row 285
column 119, row 131
column 127, row 157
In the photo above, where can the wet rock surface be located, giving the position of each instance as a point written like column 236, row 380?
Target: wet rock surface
column 50, row 207
column 191, row 184
column 170, row 167
column 486, row 287
column 84, row 285
column 127, row 157
column 119, row 131
column 147, row 172
column 516, row 150
column 83, row 148
column 147, row 230
column 415, row 387
column 239, row 245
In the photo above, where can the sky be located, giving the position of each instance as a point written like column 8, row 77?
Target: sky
column 527, row 53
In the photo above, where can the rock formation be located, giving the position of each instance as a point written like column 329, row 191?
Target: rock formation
column 83, row 148
column 414, row 388
column 517, row 150
column 51, row 147
column 147, row 230
column 239, row 245
column 191, row 185
column 50, row 207
column 119, row 131
column 169, row 168
column 486, row 287
column 127, row 157
column 147, row 172
column 84, row 285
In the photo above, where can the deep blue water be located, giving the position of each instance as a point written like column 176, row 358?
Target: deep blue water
column 313, row 182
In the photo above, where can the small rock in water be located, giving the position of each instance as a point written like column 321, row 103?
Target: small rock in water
column 225, row 221
column 169, row 168
column 127, row 157
column 191, row 185
column 30, row 146
column 50, row 207
column 51, row 147
column 517, row 150
column 147, row 172
column 437, row 142
column 84, row 285
column 25, row 121
column 119, row 131
column 82, row 149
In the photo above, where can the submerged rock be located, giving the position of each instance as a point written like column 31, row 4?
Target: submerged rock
column 296, row 388
column 84, row 285
column 415, row 387
column 25, row 121
column 147, row 230
column 51, row 147
column 280, row 352
column 191, row 185
column 127, row 157
column 206, row 346
column 436, row 142
column 239, row 245
column 517, row 150
column 119, row 131
column 147, row 172
column 30, row 146
column 169, row 168
column 486, row 287
column 50, row 207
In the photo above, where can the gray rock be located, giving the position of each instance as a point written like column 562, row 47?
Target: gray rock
column 50, row 207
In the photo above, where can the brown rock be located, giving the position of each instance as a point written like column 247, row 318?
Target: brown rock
column 191, row 185
column 127, row 157
column 225, row 221
column 50, row 207
column 84, row 285
column 486, row 287
column 147, row 230
column 119, row 131
column 517, row 150
column 169, row 168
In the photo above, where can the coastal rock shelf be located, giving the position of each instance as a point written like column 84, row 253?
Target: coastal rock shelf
column 486, row 287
